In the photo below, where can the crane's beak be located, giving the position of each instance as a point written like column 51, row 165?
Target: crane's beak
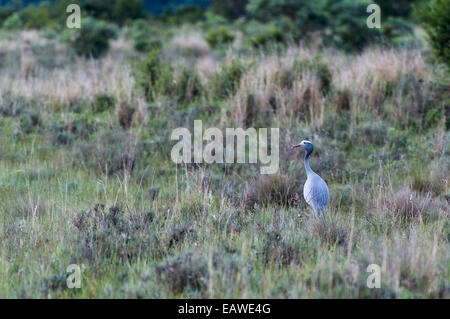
column 296, row 145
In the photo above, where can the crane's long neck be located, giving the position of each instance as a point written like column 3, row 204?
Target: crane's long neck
column 307, row 167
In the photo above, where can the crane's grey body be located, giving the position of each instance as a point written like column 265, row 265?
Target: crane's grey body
column 315, row 190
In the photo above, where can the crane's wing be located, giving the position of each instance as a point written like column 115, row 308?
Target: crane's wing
column 316, row 194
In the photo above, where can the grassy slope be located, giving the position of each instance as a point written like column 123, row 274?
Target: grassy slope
column 213, row 231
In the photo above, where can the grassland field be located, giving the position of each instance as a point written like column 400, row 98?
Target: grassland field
column 86, row 176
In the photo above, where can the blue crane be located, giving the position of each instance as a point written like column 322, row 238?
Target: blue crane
column 315, row 190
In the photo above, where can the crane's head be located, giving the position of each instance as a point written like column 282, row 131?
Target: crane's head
column 306, row 145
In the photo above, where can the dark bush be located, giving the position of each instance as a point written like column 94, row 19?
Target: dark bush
column 6, row 11
column 114, row 233
column 142, row 43
column 219, row 36
column 230, row 9
column 15, row 105
column 111, row 152
column 54, row 283
column 435, row 16
column 125, row 115
column 432, row 117
column 306, row 16
column 189, row 86
column 328, row 232
column 341, row 196
column 274, row 189
column 276, row 250
column 92, row 39
column 226, row 81
column 30, row 121
column 153, row 75
column 148, row 71
column 183, row 271
column 103, row 102
column 318, row 66
column 343, row 100
column 274, row 35
column 178, row 234
column 140, row 34
column 409, row 206
column 188, row 13
column 68, row 130
column 117, row 11
column 371, row 131
column 339, row 23
column 36, row 16
column 429, row 181
column 189, row 271
column 13, row 22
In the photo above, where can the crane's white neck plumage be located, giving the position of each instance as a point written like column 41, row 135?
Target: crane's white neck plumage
column 309, row 171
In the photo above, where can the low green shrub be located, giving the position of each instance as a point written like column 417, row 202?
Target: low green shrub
column 219, row 36
column 114, row 233
column 92, row 40
column 189, row 86
column 103, row 102
column 30, row 121
column 13, row 22
column 318, row 66
column 140, row 33
column 110, row 152
column 153, row 75
column 279, row 190
column 125, row 115
column 142, row 43
column 277, row 251
column 70, row 129
column 432, row 117
column 226, row 81
column 435, row 16
column 184, row 271
column 274, row 35
column 12, row 105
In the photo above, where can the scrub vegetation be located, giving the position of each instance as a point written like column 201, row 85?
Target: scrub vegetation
column 86, row 176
